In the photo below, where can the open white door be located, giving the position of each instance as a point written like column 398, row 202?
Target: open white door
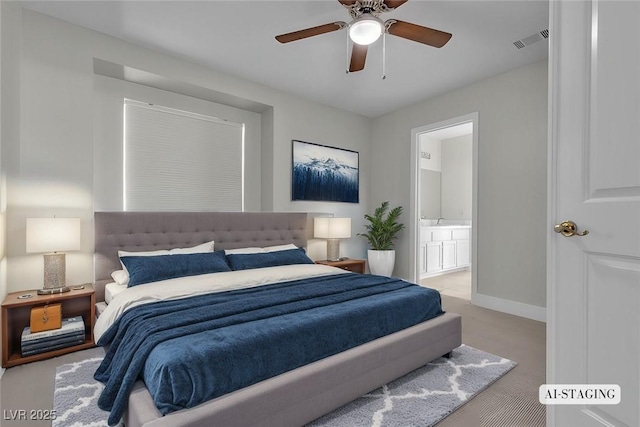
column 594, row 280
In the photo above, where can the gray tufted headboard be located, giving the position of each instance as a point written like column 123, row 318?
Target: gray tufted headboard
column 143, row 231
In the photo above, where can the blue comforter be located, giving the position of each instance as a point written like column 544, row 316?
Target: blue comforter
column 194, row 349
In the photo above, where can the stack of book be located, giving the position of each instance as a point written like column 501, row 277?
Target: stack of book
column 71, row 333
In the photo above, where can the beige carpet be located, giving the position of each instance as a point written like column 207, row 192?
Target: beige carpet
column 513, row 400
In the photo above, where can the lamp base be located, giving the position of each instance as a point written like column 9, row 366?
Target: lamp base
column 50, row 291
column 54, row 274
column 333, row 249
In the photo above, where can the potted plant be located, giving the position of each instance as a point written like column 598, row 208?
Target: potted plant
column 383, row 227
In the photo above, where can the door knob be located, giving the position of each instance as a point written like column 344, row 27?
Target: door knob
column 568, row 229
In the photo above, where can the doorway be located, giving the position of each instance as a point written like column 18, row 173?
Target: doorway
column 444, row 206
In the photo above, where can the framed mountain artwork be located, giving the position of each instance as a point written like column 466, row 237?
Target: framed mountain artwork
column 323, row 173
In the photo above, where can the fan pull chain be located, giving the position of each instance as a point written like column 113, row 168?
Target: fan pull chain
column 384, row 55
column 347, row 69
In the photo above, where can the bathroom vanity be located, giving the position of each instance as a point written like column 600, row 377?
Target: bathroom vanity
column 444, row 249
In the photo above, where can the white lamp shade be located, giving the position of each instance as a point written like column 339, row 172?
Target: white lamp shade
column 53, row 234
column 365, row 30
column 332, row 228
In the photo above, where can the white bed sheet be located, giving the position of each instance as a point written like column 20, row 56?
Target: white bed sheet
column 111, row 290
column 184, row 287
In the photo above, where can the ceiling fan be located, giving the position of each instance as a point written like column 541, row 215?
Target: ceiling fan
column 366, row 27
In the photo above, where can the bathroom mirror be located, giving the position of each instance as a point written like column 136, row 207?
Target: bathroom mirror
column 430, row 197
column 446, row 177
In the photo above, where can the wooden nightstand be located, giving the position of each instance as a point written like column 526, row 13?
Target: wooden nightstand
column 355, row 265
column 16, row 316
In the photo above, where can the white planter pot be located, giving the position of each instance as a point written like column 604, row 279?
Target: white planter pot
column 381, row 262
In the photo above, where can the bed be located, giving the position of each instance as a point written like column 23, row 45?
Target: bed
column 294, row 397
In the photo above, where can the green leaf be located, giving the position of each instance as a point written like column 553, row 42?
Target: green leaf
column 382, row 227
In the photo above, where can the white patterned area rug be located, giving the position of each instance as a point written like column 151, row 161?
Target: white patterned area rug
column 75, row 398
column 419, row 399
column 425, row 396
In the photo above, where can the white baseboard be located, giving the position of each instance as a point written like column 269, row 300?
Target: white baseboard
column 442, row 273
column 511, row 307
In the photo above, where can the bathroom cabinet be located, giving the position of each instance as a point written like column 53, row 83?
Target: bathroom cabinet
column 444, row 249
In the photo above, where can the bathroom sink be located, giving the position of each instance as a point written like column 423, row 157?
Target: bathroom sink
column 444, row 226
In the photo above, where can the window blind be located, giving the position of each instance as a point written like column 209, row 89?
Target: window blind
column 180, row 161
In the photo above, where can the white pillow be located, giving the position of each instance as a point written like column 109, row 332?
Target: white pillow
column 120, row 277
column 243, row 251
column 204, row 247
column 124, row 279
column 256, row 250
column 142, row 253
column 280, row 248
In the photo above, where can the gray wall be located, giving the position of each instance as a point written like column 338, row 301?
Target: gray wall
column 456, row 187
column 54, row 138
column 3, row 239
column 48, row 147
column 512, row 144
column 9, row 117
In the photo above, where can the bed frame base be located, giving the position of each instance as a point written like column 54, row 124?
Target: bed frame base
column 304, row 394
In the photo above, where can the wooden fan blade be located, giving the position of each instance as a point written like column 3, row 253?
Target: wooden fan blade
column 310, row 32
column 358, row 57
column 418, row 33
column 347, row 2
column 394, row 4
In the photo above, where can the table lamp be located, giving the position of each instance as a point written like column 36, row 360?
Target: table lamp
column 52, row 235
column 332, row 229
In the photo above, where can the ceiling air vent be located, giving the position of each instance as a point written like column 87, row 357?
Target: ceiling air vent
column 534, row 38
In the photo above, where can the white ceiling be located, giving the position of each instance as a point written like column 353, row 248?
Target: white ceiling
column 237, row 37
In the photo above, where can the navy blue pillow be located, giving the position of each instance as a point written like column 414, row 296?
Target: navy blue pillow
column 268, row 259
column 146, row 269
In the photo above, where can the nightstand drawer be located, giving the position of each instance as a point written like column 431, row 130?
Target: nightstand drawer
column 357, row 268
column 355, row 265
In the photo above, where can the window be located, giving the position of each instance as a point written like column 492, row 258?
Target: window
column 177, row 160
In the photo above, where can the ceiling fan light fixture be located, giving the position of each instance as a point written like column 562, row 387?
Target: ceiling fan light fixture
column 365, row 29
